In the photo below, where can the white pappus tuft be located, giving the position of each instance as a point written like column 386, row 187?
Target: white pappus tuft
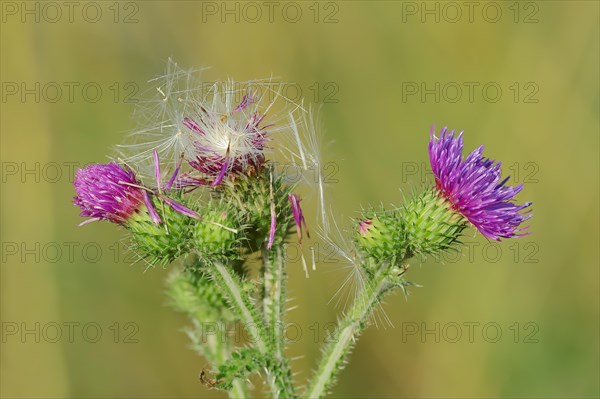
column 217, row 127
column 159, row 113
column 303, row 150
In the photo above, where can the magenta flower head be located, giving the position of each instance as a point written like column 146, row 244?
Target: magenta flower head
column 473, row 188
column 108, row 192
column 112, row 192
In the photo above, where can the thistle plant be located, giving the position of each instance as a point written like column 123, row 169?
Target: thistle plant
column 199, row 191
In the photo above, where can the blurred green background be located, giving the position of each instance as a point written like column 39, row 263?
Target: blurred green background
column 361, row 61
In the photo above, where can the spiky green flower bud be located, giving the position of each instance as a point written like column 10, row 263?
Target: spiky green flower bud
column 217, row 235
column 258, row 200
column 430, row 223
column 380, row 236
column 425, row 224
column 160, row 243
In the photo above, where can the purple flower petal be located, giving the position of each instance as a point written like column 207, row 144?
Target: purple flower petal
column 156, row 169
column 151, row 210
column 169, row 184
column 222, row 173
column 192, row 125
column 298, row 216
column 246, row 101
column 180, row 208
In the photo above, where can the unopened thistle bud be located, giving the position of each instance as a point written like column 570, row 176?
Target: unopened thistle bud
column 161, row 243
column 380, row 236
column 263, row 203
column 216, row 235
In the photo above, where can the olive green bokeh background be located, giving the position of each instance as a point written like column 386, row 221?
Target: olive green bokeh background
column 549, row 279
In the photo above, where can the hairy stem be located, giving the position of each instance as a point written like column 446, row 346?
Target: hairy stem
column 192, row 295
column 274, row 278
column 273, row 301
column 231, row 286
column 340, row 344
column 278, row 378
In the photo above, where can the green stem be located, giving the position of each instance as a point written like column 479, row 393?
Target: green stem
column 278, row 378
column 342, row 341
column 274, row 298
column 240, row 301
column 187, row 297
column 274, row 278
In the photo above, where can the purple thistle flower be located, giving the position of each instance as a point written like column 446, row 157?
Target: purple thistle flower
column 112, row 192
column 473, row 188
column 108, row 192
